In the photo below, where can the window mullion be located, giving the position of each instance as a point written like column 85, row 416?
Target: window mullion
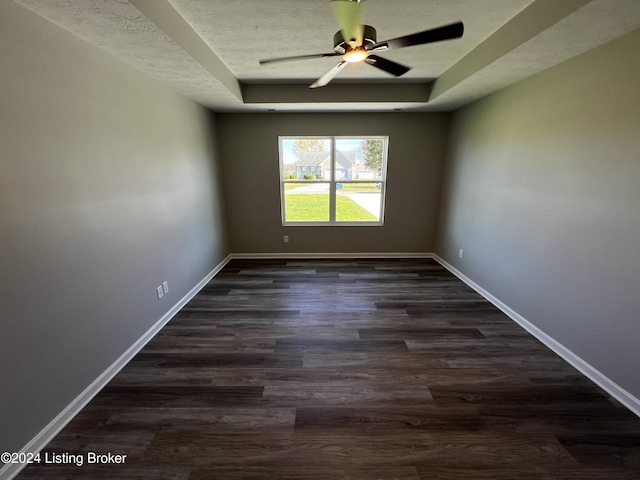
column 332, row 184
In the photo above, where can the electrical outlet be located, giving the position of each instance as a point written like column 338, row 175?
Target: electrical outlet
column 165, row 287
column 160, row 291
column 286, row 239
column 460, row 253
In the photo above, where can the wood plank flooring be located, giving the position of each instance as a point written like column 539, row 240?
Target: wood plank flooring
column 348, row 369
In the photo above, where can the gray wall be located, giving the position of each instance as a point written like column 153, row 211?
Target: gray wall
column 108, row 186
column 249, row 146
column 542, row 191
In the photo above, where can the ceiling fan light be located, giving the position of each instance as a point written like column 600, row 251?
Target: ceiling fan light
column 355, row 55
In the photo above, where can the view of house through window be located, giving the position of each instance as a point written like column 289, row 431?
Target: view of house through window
column 333, row 180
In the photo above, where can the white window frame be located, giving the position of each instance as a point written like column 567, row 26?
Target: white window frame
column 333, row 182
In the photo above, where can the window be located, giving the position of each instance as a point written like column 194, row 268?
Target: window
column 333, row 180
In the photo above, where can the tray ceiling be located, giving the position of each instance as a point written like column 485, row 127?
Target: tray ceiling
column 209, row 50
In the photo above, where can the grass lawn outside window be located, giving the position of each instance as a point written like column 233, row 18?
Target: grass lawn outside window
column 315, row 208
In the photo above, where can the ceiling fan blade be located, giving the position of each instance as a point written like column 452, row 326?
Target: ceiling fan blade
column 349, row 13
column 297, row 57
column 447, row 32
column 330, row 75
column 387, row 65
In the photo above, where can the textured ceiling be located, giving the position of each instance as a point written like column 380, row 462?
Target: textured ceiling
column 209, row 50
column 241, row 34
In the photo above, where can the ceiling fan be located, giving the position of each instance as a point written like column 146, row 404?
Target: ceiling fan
column 356, row 42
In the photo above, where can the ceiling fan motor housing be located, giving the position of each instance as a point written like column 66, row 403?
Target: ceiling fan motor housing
column 340, row 45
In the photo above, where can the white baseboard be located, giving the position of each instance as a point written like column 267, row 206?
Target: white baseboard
column 286, row 256
column 47, row 434
column 597, row 377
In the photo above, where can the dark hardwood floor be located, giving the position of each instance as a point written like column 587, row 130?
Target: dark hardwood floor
column 345, row 369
